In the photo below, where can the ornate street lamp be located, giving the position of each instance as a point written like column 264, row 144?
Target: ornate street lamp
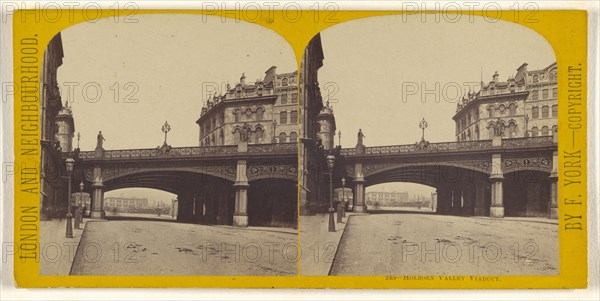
column 340, row 138
column 330, row 165
column 69, row 162
column 423, row 125
column 165, row 129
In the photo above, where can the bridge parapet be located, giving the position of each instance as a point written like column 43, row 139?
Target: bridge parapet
column 455, row 146
column 191, row 152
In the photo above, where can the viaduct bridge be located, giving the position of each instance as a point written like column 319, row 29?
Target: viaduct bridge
column 513, row 177
column 236, row 185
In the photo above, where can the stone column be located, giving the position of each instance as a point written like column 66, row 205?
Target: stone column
column 359, row 188
column 553, row 212
column 497, row 177
column 240, row 215
column 444, row 200
column 185, row 206
column 469, row 200
column 198, row 207
column 97, row 211
column 479, row 198
column 457, row 200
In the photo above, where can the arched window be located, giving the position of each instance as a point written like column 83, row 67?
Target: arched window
column 238, row 92
column 553, row 76
column 293, row 137
column 282, row 137
column 236, row 115
column 490, row 110
column 258, row 135
column 534, row 131
column 545, row 131
column 554, row 128
column 294, row 98
column 554, row 110
column 545, row 93
column 545, row 111
column 260, row 113
column 236, row 136
column 512, row 109
column 259, row 91
column 294, row 117
column 477, row 131
column 490, row 128
column 248, row 113
column 283, row 117
column 535, row 112
column 536, row 78
column 512, row 130
column 284, row 81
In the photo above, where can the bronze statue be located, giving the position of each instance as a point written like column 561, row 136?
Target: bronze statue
column 100, row 140
column 360, row 137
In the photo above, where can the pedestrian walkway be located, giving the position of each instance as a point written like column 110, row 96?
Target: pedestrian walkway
column 56, row 251
column 319, row 245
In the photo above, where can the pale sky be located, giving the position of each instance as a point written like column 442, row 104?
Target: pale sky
column 169, row 57
column 368, row 61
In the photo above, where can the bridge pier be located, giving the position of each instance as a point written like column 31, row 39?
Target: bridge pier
column 497, row 177
column 444, row 200
column 480, row 195
column 240, row 215
column 457, row 200
column 185, row 206
column 97, row 211
column 199, row 207
column 468, row 200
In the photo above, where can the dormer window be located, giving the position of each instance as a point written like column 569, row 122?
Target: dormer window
column 536, row 78
column 285, row 81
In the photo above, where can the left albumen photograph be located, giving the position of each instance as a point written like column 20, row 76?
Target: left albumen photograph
column 169, row 147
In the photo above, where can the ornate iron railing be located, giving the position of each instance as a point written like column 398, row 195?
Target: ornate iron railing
column 191, row 152
column 451, row 146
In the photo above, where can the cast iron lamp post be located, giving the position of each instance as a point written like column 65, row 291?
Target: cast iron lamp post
column 70, row 162
column 330, row 165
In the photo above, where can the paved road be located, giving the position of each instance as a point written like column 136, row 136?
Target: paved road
column 426, row 244
column 137, row 247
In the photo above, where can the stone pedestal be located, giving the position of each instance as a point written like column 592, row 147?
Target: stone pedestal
column 497, row 195
column 240, row 215
column 99, row 153
column 97, row 211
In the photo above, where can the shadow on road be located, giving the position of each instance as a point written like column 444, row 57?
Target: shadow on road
column 138, row 218
column 400, row 211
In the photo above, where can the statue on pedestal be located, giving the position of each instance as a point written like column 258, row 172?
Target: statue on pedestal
column 100, row 140
column 360, row 137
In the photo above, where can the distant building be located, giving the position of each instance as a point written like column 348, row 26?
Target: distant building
column 383, row 198
column 526, row 105
column 126, row 204
column 82, row 199
column 265, row 111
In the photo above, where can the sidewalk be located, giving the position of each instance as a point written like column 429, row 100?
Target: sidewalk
column 319, row 246
column 56, row 251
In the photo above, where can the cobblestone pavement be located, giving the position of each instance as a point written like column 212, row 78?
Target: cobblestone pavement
column 136, row 247
column 427, row 244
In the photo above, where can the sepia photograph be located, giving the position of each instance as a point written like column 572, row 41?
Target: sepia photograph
column 169, row 147
column 429, row 149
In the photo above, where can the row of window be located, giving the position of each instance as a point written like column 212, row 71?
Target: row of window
column 535, row 112
column 283, row 117
column 535, row 94
column 545, row 131
column 552, row 77
column 285, row 98
column 512, row 110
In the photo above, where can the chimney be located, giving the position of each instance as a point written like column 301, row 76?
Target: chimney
column 270, row 74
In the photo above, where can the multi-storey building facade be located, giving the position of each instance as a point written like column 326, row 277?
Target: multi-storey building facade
column 265, row 111
column 526, row 105
column 383, row 198
column 125, row 204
